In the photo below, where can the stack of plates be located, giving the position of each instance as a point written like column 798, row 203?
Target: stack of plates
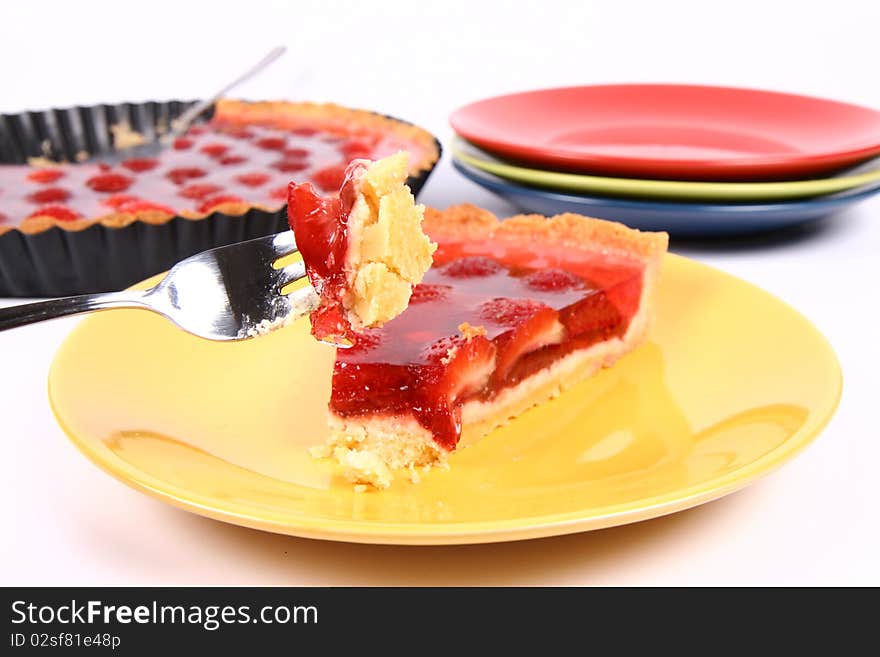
column 692, row 160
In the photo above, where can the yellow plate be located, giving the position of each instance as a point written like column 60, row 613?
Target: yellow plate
column 731, row 384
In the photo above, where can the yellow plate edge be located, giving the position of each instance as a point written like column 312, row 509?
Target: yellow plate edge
column 489, row 531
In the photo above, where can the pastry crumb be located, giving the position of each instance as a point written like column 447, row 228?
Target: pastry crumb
column 450, row 354
column 41, row 162
column 263, row 327
column 363, row 467
column 469, row 332
column 298, row 303
column 124, row 137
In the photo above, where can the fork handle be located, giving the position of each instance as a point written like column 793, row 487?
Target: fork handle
column 30, row 313
column 181, row 123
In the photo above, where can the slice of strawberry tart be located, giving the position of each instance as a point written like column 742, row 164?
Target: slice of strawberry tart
column 510, row 314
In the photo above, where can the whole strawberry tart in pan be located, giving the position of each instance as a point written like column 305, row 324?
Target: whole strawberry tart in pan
column 71, row 224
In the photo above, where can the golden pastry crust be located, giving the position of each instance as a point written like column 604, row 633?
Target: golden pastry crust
column 388, row 252
column 468, row 223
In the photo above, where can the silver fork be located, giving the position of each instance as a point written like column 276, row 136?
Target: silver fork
column 229, row 293
column 181, row 124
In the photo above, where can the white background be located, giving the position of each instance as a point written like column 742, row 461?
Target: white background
column 813, row 522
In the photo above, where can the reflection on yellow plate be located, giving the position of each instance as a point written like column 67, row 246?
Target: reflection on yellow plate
column 731, row 383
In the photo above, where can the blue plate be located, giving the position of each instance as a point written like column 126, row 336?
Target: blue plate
column 679, row 219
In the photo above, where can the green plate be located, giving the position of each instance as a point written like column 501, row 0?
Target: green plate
column 667, row 189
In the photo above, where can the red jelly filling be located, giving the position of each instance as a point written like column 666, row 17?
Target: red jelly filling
column 486, row 316
column 217, row 159
column 320, row 226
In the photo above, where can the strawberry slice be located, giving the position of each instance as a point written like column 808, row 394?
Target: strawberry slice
column 279, row 193
column 117, row 200
column 253, row 179
column 457, row 367
column 49, row 195
column 229, row 160
column 214, row 150
column 136, row 206
column 593, row 315
column 199, row 191
column 553, row 280
column 59, row 212
column 45, row 176
column 290, row 165
column 271, row 143
column 238, row 132
column 426, row 292
column 465, row 364
column 330, row 179
column 356, row 148
column 140, row 164
column 110, row 182
column 530, row 325
column 472, row 266
column 213, row 202
column 182, row 174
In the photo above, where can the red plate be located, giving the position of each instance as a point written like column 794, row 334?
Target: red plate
column 684, row 132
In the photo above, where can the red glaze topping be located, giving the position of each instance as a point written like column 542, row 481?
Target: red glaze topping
column 290, row 165
column 199, row 191
column 212, row 202
column 182, row 174
column 118, row 199
column 136, row 205
column 279, row 192
column 250, row 163
column 253, row 179
column 355, row 149
column 320, row 225
column 228, row 160
column 214, row 149
column 110, row 182
column 238, row 132
column 45, row 175
column 49, row 195
column 140, row 164
column 59, row 212
column 272, row 143
column 330, row 178
column 531, row 306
